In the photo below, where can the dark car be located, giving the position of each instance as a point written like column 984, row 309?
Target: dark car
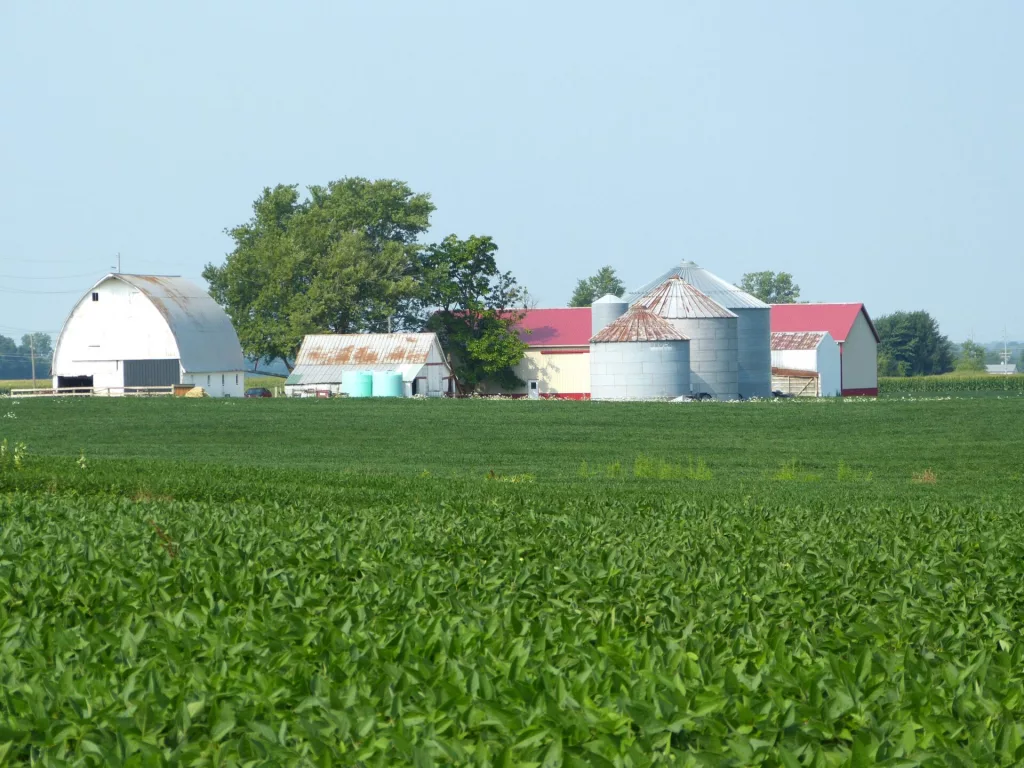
column 258, row 392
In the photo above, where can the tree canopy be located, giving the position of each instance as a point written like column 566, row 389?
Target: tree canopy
column 771, row 287
column 473, row 307
column 971, row 357
column 590, row 289
column 16, row 359
column 911, row 345
column 346, row 259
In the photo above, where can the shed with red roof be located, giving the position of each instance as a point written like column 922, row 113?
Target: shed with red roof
column 851, row 326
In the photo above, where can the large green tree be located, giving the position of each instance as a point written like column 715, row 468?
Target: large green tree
column 771, row 287
column 342, row 260
column 590, row 289
column 474, row 308
column 911, row 345
column 971, row 357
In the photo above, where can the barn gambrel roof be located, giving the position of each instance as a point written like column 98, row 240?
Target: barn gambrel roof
column 206, row 339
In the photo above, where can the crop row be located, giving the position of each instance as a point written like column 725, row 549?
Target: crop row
column 979, row 383
column 488, row 630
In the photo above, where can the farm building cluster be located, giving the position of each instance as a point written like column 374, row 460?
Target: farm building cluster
column 687, row 334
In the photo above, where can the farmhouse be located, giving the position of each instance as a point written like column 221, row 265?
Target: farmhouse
column 335, row 362
column 557, row 361
column 806, row 364
column 148, row 331
column 850, row 326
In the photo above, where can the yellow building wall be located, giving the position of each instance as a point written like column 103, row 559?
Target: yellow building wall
column 556, row 372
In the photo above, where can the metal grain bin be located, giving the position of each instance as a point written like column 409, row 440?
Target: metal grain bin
column 711, row 329
column 387, row 384
column 606, row 311
column 357, row 383
column 753, row 323
column 639, row 356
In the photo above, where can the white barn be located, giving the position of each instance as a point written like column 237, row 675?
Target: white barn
column 148, row 331
column 324, row 358
column 806, row 364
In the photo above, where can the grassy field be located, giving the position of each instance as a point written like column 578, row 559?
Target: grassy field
column 6, row 385
column 312, row 582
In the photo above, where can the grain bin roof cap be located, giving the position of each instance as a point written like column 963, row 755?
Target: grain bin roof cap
column 675, row 299
column 608, row 298
column 639, row 324
column 708, row 283
column 206, row 339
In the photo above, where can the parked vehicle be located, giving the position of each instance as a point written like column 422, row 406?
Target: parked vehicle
column 258, row 392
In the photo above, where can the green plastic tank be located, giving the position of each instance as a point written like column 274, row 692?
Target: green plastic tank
column 387, row 384
column 357, row 383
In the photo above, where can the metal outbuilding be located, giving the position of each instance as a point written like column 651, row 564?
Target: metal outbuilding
column 852, row 329
column 639, row 356
column 753, row 323
column 324, row 359
column 711, row 329
column 137, row 331
column 806, row 364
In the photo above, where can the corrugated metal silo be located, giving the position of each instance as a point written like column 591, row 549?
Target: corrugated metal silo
column 639, row 356
column 753, row 324
column 606, row 311
column 711, row 328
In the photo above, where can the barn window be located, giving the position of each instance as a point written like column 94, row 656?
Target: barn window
column 236, row 378
column 222, row 379
column 95, row 296
column 208, row 379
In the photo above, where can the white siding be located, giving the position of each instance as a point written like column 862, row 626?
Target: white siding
column 122, row 325
column 860, row 357
column 824, row 359
column 223, row 384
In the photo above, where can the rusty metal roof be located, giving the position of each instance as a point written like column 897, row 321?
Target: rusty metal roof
column 711, row 285
column 639, row 324
column 794, row 373
column 324, row 357
column 676, row 299
column 806, row 340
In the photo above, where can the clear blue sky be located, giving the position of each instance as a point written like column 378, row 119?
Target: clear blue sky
column 873, row 149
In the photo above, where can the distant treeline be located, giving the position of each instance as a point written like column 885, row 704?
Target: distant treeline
column 16, row 359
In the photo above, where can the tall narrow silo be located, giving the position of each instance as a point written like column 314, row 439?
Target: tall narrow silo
column 639, row 356
column 606, row 311
column 711, row 329
column 753, row 324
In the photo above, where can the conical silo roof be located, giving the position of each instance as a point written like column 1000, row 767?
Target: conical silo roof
column 639, row 324
column 675, row 299
column 708, row 283
column 608, row 298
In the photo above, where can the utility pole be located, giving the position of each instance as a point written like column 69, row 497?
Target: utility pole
column 32, row 354
column 118, row 263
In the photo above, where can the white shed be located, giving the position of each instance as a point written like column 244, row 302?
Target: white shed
column 811, row 352
column 148, row 331
column 324, row 358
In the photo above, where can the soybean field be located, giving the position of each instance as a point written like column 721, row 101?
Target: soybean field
column 494, row 583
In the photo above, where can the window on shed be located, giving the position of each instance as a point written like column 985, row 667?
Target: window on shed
column 222, row 379
column 95, row 296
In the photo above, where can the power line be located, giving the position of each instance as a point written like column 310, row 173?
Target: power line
column 38, row 293
column 65, row 277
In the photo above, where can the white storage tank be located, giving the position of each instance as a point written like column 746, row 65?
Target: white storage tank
column 639, row 356
column 606, row 311
column 753, row 323
column 711, row 329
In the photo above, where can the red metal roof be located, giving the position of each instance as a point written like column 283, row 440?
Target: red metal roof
column 562, row 327
column 837, row 319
